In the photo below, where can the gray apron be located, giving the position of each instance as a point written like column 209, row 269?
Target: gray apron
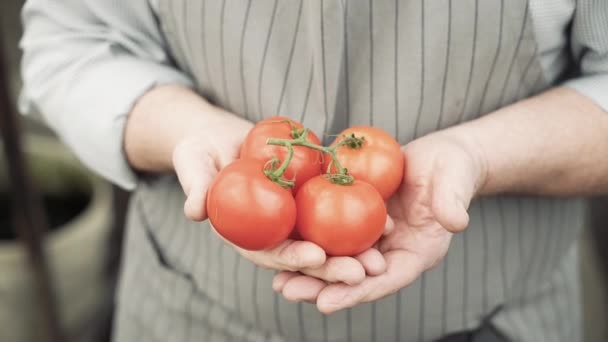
column 410, row 67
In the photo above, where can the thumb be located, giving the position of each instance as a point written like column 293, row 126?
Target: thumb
column 452, row 194
column 195, row 173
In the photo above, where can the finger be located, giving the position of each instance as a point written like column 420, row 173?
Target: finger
column 389, row 226
column 451, row 199
column 303, row 289
column 338, row 269
column 290, row 255
column 195, row 205
column 450, row 209
column 403, row 268
column 373, row 262
column 195, row 173
column 281, row 278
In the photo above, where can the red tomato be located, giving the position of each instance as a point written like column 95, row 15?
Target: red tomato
column 248, row 209
column 377, row 161
column 344, row 220
column 305, row 164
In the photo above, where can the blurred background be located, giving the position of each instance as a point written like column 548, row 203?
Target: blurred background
column 58, row 265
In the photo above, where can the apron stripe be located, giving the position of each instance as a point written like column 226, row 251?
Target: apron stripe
column 223, row 53
column 421, row 312
column 326, row 115
column 480, row 109
column 301, row 322
column 461, row 117
column 515, row 55
column 291, row 52
column 484, row 253
column 203, row 40
column 396, row 79
column 245, row 112
column 307, row 96
column 445, row 68
column 346, row 69
column 422, row 67
column 263, row 64
column 371, row 72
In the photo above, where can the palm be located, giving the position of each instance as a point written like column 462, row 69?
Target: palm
column 440, row 179
column 417, row 233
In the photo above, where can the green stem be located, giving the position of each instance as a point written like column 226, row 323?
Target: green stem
column 276, row 175
column 342, row 177
column 281, row 170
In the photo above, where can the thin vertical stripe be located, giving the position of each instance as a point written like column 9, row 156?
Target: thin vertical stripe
column 396, row 78
column 373, row 322
column 193, row 262
column 494, row 60
column 171, row 291
column 242, row 58
column 263, row 63
column 325, row 125
column 237, row 283
column 187, row 47
column 349, row 325
column 566, row 300
column 346, row 71
column 137, row 275
column 421, row 308
column 254, row 295
column 548, row 242
column 277, row 314
column 445, row 67
column 371, row 80
column 515, row 54
column 465, row 288
column 220, row 263
column 204, row 41
column 291, row 51
column 422, row 66
column 307, row 96
column 484, row 253
column 178, row 55
column 526, row 89
column 533, row 257
column 503, row 247
column 444, row 296
column 555, row 269
column 471, row 64
column 325, row 333
column 301, row 322
column 525, row 72
column 222, row 54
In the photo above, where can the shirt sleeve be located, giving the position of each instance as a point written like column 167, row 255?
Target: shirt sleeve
column 589, row 43
column 85, row 64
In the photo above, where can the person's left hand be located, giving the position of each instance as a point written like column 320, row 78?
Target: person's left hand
column 443, row 173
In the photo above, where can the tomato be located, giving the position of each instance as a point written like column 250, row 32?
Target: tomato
column 248, row 209
column 305, row 164
column 344, row 220
column 378, row 160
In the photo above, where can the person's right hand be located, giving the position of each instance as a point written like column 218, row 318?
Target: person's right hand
column 197, row 158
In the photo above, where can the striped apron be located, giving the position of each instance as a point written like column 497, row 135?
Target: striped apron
column 410, row 67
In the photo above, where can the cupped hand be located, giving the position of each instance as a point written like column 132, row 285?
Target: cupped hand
column 443, row 173
column 198, row 158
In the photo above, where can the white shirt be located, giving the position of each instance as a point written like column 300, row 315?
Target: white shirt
column 86, row 62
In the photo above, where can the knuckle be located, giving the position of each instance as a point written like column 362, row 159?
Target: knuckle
column 289, row 259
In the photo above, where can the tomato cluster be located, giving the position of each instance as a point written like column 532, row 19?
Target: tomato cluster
column 285, row 184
